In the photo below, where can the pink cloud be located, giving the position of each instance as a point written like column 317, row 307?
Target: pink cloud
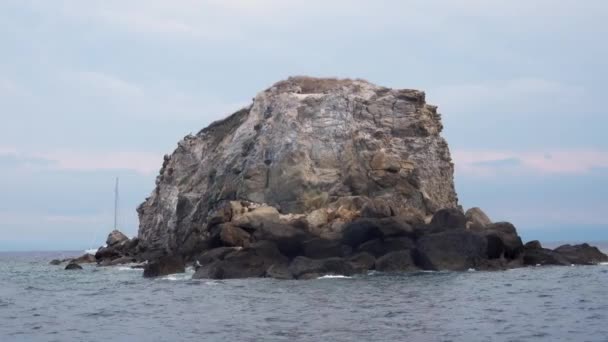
column 566, row 161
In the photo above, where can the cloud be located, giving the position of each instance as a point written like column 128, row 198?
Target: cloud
column 106, row 83
column 521, row 96
column 566, row 161
column 145, row 163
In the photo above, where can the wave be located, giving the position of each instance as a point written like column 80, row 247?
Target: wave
column 334, row 276
column 91, row 251
column 603, row 264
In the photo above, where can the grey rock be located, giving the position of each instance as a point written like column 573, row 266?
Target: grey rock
column 279, row 271
column 73, row 266
column 319, row 248
column 543, row 256
column 306, row 268
column 582, row 254
column 379, row 247
column 506, row 232
column 534, row 244
column 362, row 262
column 55, row 262
column 116, row 237
column 456, row 250
column 234, row 236
column 398, row 261
column 477, row 218
column 448, row 218
column 302, row 145
column 84, row 259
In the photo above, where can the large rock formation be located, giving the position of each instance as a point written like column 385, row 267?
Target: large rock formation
column 303, row 144
column 320, row 176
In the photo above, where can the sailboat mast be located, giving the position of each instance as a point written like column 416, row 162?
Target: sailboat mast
column 116, row 205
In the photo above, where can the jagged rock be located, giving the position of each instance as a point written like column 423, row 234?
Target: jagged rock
column 306, row 268
column 164, row 266
column 456, row 250
column 398, row 261
column 448, row 218
column 73, row 266
column 302, row 145
column 381, row 246
column 582, row 254
column 477, row 218
column 115, row 237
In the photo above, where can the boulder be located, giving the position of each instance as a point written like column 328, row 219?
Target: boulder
column 106, row 253
column 456, row 250
column 381, row 246
column 362, row 262
column 449, row 218
column 234, row 236
column 288, row 239
column 398, row 261
column 122, row 261
column 512, row 243
column 534, row 244
column 582, row 254
column 306, row 268
column 55, row 262
column 317, row 219
column 249, row 262
column 496, row 247
column 396, row 226
column 377, row 208
column 215, row 254
column 319, row 248
column 279, row 271
column 543, row 256
column 73, row 266
column 164, row 266
column 257, row 218
column 477, row 218
column 115, row 237
column 360, row 231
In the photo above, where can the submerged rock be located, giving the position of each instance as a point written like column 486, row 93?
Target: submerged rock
column 73, row 266
column 55, row 262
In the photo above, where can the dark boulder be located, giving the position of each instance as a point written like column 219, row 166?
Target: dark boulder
column 362, row 262
column 215, row 254
column 115, row 237
column 450, row 218
column 164, row 266
column 306, row 268
column 249, row 262
column 318, row 248
column 543, row 256
column 381, row 246
column 456, row 250
column 396, row 226
column 496, row 247
column 582, row 254
column 234, row 236
column 398, row 261
column 535, row 244
column 106, row 253
column 512, row 243
column 279, row 271
column 360, row 231
column 73, row 266
column 288, row 239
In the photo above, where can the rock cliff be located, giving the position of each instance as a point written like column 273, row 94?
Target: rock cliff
column 304, row 144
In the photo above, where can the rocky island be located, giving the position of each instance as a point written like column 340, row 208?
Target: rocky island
column 320, row 176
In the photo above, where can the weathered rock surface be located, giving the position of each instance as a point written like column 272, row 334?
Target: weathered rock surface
column 316, row 177
column 302, row 145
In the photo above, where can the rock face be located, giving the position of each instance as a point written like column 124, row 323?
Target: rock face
column 316, row 177
column 303, row 144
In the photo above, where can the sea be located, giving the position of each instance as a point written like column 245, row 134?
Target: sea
column 40, row 302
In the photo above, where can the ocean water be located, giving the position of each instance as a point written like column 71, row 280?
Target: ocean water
column 40, row 302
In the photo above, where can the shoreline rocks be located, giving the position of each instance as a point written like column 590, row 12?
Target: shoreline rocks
column 320, row 176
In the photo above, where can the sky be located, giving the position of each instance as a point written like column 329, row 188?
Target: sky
column 91, row 91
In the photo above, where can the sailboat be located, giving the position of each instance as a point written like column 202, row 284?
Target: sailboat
column 93, row 250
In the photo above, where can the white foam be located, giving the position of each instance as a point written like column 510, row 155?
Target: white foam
column 122, row 268
column 332, row 276
column 472, row 270
column 91, row 251
column 603, row 264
